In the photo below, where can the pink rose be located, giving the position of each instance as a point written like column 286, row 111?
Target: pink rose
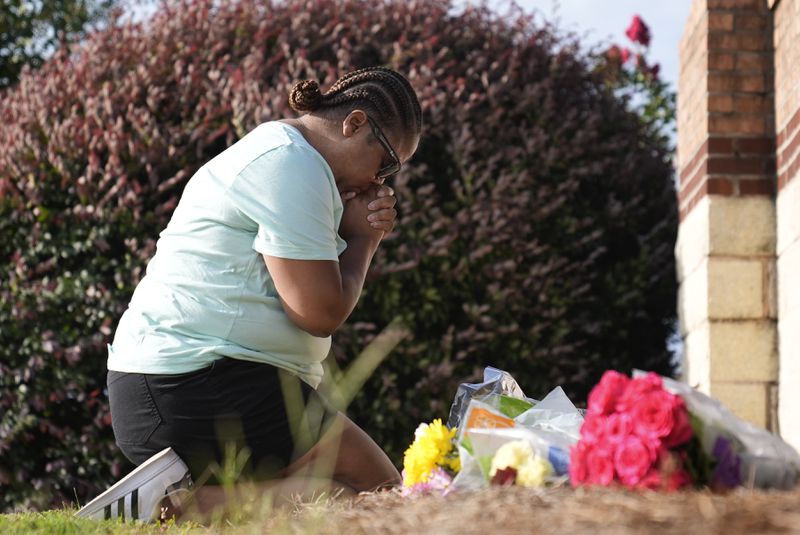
column 633, row 460
column 603, row 397
column 653, row 415
column 651, row 480
column 657, row 479
column 614, row 54
column 578, row 470
column 638, row 32
column 678, row 480
column 682, row 429
column 600, row 466
column 593, row 429
column 636, row 389
column 617, row 427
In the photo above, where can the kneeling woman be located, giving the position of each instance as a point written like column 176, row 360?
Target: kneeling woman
column 264, row 258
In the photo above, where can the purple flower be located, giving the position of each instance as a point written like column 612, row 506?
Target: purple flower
column 727, row 473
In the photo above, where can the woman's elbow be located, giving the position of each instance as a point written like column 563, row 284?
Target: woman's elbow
column 319, row 327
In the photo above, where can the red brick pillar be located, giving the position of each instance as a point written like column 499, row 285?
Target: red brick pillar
column 726, row 240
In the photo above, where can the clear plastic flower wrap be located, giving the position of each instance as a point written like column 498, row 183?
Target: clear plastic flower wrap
column 495, row 413
column 760, row 459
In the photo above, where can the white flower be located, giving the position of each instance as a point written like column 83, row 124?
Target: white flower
column 420, row 431
column 534, row 472
column 531, row 469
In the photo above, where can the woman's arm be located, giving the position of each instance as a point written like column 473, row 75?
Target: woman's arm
column 319, row 295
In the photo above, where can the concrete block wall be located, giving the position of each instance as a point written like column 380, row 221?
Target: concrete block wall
column 786, row 40
column 727, row 237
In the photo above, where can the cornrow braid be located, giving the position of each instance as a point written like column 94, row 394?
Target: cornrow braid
column 384, row 91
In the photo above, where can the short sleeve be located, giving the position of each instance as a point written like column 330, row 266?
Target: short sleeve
column 290, row 195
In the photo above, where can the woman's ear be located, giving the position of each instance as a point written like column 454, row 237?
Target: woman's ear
column 354, row 121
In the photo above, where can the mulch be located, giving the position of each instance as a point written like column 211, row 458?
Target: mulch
column 515, row 510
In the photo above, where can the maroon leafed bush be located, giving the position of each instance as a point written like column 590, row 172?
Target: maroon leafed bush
column 536, row 223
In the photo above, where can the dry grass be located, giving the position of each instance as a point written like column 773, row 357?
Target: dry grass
column 584, row 511
column 498, row 510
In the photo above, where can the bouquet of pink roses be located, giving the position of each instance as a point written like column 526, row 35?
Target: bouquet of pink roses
column 634, row 433
column 650, row 432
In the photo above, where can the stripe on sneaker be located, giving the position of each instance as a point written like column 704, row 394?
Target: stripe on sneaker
column 121, row 508
column 107, row 512
column 135, row 504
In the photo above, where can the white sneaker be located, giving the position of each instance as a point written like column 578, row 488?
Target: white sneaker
column 138, row 495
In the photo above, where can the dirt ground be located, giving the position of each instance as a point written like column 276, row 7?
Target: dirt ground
column 514, row 510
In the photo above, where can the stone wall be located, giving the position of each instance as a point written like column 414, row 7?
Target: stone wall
column 727, row 237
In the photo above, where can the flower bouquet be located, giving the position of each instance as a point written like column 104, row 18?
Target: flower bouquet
column 650, row 432
column 498, row 436
column 640, row 432
column 431, row 461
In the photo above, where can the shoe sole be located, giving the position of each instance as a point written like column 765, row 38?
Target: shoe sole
column 130, row 484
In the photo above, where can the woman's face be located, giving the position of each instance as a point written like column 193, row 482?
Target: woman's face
column 368, row 153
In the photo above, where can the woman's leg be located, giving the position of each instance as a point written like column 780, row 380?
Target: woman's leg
column 344, row 462
column 215, row 502
column 347, row 455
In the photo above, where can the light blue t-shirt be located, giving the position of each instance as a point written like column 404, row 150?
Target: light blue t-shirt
column 207, row 293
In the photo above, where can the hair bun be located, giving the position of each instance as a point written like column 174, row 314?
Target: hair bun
column 305, row 96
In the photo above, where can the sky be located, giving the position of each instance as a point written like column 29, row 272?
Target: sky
column 605, row 21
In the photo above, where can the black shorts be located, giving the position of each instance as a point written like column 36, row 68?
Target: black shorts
column 264, row 416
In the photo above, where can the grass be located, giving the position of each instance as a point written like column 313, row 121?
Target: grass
column 302, row 518
column 496, row 510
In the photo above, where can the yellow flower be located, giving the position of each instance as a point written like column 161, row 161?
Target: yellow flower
column 432, row 444
column 518, row 454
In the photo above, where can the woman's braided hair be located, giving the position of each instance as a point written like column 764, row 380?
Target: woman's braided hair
column 384, row 93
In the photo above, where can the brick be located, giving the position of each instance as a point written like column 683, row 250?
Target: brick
column 692, row 181
column 720, row 103
column 756, row 5
column 741, row 226
column 787, row 138
column 788, row 150
column 748, row 401
column 735, row 289
column 719, row 186
column 736, row 124
column 740, row 41
column 758, row 145
column 741, row 166
column 757, row 186
column 752, row 61
column 788, row 218
column 721, row 61
column 752, row 104
column 689, row 169
column 745, row 21
column 746, row 83
column 720, row 145
column 783, row 180
column 720, row 20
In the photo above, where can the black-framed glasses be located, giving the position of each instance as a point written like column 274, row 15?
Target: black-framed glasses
column 392, row 167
